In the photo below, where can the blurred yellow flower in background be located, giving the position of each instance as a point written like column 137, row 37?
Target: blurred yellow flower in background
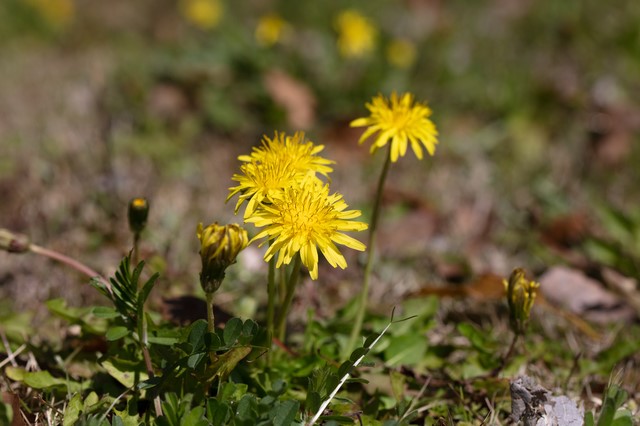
column 401, row 53
column 303, row 218
column 356, row 34
column 58, row 13
column 204, row 14
column 271, row 29
column 278, row 163
column 401, row 121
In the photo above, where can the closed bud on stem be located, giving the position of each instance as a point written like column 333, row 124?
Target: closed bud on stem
column 138, row 212
column 521, row 293
column 219, row 247
column 13, row 243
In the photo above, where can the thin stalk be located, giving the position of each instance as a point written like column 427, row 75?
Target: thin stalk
column 134, row 254
column 292, row 282
column 364, row 292
column 505, row 359
column 210, row 315
column 271, row 303
column 78, row 266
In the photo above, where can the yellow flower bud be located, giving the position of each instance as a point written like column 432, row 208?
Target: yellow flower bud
column 521, row 294
column 219, row 247
column 138, row 212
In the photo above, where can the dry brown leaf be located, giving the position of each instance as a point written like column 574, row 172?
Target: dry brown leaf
column 292, row 95
column 572, row 290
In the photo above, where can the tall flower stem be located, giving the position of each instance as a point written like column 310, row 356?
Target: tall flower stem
column 292, row 282
column 210, row 316
column 271, row 303
column 364, row 292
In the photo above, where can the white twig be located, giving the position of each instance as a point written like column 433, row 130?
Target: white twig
column 345, row 377
column 12, row 356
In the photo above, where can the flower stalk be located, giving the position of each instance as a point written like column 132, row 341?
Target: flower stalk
column 363, row 297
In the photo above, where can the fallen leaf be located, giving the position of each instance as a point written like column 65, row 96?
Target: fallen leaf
column 292, row 95
column 572, row 290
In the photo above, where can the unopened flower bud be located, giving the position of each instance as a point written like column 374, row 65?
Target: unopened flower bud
column 13, row 243
column 521, row 293
column 138, row 212
column 219, row 247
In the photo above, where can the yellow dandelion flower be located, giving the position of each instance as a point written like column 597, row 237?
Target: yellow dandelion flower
column 304, row 218
column 295, row 149
column 356, row 34
column 401, row 53
column 400, row 121
column 58, row 13
column 204, row 14
column 271, row 29
column 278, row 163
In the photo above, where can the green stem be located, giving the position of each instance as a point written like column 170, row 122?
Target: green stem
column 134, row 254
column 210, row 316
column 271, row 303
column 292, row 282
column 364, row 292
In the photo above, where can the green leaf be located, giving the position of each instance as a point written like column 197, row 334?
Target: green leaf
column 123, row 373
column 117, row 332
column 284, row 413
column 90, row 400
column 44, row 380
column 588, row 419
column 313, row 401
column 105, row 312
column 477, row 339
column 194, row 418
column 407, row 349
column 232, row 331
column 247, row 407
column 218, row 412
column 6, row 413
column 73, row 410
column 146, row 288
column 359, row 352
column 194, row 360
column 196, row 335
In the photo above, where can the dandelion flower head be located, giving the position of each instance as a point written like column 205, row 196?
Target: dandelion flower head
column 303, row 218
column 356, row 34
column 204, row 14
column 58, row 13
column 277, row 164
column 401, row 53
column 271, row 29
column 401, row 121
